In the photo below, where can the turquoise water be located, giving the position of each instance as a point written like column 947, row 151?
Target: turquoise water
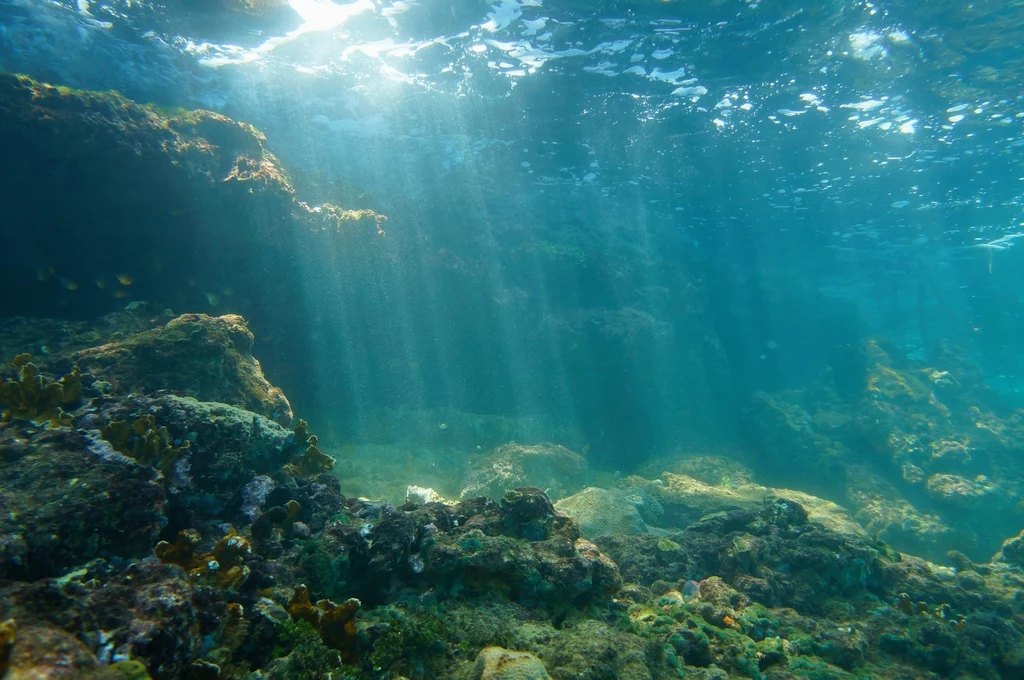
column 411, row 339
column 617, row 222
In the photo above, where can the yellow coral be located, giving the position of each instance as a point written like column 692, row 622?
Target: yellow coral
column 8, row 632
column 312, row 460
column 30, row 396
column 335, row 623
column 144, row 441
column 223, row 566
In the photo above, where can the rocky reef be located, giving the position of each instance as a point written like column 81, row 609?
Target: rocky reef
column 116, row 201
column 925, row 456
column 164, row 513
column 164, row 525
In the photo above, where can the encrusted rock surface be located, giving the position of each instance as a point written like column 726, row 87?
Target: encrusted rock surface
column 551, row 467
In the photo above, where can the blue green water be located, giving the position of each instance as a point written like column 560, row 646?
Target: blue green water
column 622, row 217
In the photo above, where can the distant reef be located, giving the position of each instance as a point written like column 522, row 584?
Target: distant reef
column 925, row 455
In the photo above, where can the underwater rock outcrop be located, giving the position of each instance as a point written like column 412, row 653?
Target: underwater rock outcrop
column 67, row 497
column 150, row 534
column 603, row 512
column 495, row 663
column 925, row 456
column 193, row 355
column 554, row 468
column 115, row 201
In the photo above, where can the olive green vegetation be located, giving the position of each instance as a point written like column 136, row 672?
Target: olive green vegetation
column 33, row 397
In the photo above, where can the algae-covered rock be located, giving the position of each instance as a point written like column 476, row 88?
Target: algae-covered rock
column 712, row 469
column 686, row 500
column 602, row 512
column 220, row 448
column 67, row 497
column 522, row 548
column 924, row 455
column 141, row 610
column 551, row 467
column 43, row 652
column 495, row 663
column 194, row 355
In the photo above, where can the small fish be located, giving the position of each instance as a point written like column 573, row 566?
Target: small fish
column 213, row 299
column 177, row 212
column 125, row 279
column 101, row 284
column 120, row 294
column 67, row 283
column 691, row 590
column 443, row 426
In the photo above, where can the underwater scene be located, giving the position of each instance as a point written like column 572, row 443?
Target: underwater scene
column 511, row 339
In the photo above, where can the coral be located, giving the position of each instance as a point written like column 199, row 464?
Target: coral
column 223, row 566
column 33, row 397
column 312, row 460
column 495, row 663
column 335, row 623
column 182, row 552
column 145, row 442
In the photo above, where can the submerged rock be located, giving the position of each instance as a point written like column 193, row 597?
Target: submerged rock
column 553, row 468
column 194, row 355
column 43, row 652
column 603, row 512
column 495, row 663
column 925, row 456
column 67, row 497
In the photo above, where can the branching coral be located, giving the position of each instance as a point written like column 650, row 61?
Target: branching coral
column 223, row 566
column 335, row 623
column 31, row 396
column 144, row 441
column 312, row 460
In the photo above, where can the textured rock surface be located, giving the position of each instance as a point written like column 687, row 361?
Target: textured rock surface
column 66, row 497
column 495, row 663
column 555, row 469
column 193, row 355
column 601, row 512
column 925, row 456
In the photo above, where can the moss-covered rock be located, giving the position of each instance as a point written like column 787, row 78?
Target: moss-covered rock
column 603, row 512
column 194, row 355
column 67, row 497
